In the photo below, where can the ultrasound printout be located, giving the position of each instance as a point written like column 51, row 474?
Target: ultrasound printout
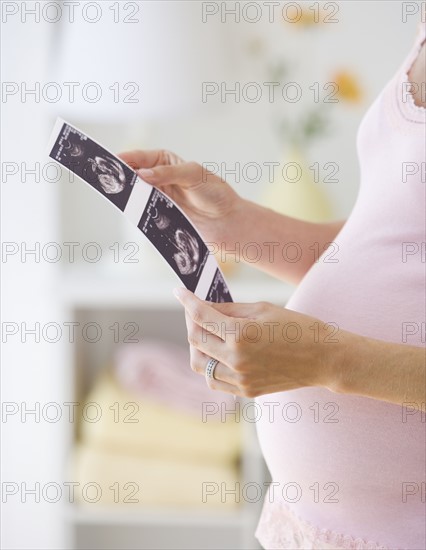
column 160, row 220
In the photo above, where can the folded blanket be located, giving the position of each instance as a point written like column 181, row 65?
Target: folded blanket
column 144, row 428
column 161, row 371
column 129, row 481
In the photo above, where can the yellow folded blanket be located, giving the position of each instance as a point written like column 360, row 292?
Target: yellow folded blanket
column 127, row 425
column 109, row 478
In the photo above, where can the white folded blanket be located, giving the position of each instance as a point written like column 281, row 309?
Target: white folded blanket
column 116, row 479
column 144, row 428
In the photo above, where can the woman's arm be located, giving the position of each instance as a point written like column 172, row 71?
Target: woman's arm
column 263, row 348
column 288, row 246
column 230, row 223
column 381, row 370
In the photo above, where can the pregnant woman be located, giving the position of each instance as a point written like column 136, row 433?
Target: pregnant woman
column 349, row 471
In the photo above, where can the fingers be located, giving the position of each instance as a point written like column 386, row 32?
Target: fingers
column 223, row 376
column 204, row 323
column 199, row 362
column 161, row 168
column 149, row 159
column 228, row 309
column 217, row 385
column 204, row 340
column 187, row 175
column 200, row 312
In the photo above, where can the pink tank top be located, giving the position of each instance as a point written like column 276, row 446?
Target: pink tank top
column 349, row 471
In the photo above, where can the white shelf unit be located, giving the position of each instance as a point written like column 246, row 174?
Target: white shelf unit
column 152, row 306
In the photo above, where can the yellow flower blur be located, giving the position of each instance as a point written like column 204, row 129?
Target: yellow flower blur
column 348, row 88
column 303, row 16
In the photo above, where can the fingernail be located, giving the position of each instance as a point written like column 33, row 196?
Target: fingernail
column 145, row 173
column 178, row 293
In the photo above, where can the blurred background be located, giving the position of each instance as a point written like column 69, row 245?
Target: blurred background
column 108, row 439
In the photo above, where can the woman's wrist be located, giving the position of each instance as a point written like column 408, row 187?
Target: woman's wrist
column 236, row 223
column 337, row 361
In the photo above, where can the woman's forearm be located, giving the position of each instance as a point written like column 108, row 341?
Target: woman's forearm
column 282, row 246
column 381, row 370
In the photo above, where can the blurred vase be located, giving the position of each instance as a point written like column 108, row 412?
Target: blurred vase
column 229, row 268
column 295, row 193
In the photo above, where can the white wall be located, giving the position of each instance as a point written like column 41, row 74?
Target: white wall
column 32, row 372
column 370, row 40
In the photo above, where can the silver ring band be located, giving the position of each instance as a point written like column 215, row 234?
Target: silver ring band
column 211, row 365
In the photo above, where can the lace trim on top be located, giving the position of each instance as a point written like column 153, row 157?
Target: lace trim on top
column 281, row 529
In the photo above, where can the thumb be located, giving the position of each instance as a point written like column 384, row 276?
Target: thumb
column 185, row 175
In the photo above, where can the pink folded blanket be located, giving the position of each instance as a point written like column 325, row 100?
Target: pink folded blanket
column 161, row 371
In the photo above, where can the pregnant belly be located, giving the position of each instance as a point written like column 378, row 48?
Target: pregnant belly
column 347, row 457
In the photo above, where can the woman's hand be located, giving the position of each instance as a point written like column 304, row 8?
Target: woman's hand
column 231, row 223
column 261, row 348
column 208, row 201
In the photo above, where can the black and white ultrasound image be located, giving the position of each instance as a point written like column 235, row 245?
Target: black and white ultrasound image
column 218, row 291
column 175, row 238
column 92, row 163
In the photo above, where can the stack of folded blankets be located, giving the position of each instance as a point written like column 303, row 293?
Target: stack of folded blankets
column 151, row 444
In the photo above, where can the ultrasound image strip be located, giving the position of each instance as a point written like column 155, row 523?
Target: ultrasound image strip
column 94, row 165
column 218, row 292
column 175, row 238
column 161, row 221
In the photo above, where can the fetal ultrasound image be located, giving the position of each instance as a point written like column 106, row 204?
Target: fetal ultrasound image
column 218, row 291
column 175, row 238
column 92, row 163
